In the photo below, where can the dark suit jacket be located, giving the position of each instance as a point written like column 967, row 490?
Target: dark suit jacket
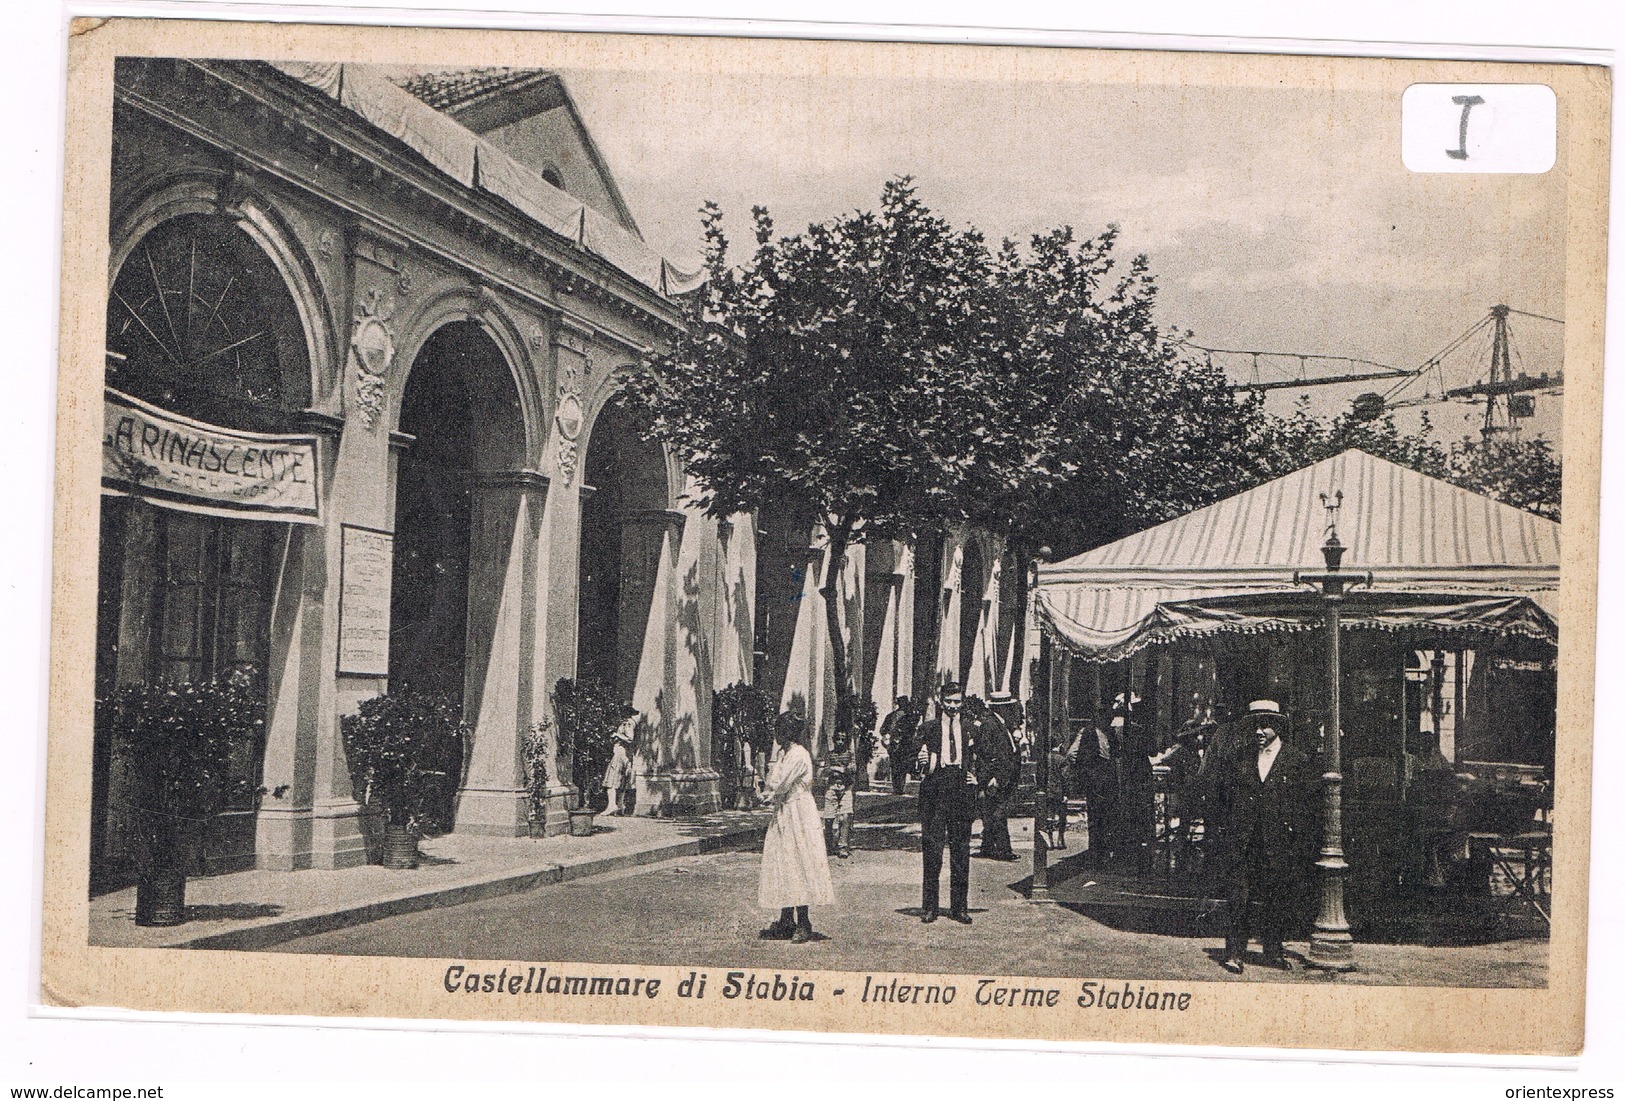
column 947, row 789
column 1000, row 759
column 1271, row 820
column 897, row 735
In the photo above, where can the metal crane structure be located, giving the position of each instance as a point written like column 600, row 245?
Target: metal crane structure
column 1506, row 390
column 1508, row 398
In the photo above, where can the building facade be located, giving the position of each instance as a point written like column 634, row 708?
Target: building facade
column 363, row 333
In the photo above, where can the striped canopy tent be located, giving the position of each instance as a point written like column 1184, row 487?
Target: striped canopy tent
column 1443, row 560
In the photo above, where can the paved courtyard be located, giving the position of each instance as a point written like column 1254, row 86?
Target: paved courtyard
column 702, row 910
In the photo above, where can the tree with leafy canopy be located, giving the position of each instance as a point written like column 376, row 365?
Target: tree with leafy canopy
column 1526, row 473
column 1091, row 423
column 884, row 374
column 825, row 376
column 1289, row 443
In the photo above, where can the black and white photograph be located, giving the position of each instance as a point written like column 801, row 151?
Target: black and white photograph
column 850, row 536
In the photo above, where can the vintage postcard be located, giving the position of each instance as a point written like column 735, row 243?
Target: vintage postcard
column 892, row 538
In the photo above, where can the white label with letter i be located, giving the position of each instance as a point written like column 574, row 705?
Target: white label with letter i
column 1479, row 128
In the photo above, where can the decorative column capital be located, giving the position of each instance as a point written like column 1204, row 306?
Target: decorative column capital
column 531, row 481
column 572, row 336
column 670, row 518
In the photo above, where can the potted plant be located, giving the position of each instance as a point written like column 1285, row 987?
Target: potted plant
column 182, row 746
column 405, row 752
column 865, row 717
column 588, row 714
column 742, row 733
column 534, row 751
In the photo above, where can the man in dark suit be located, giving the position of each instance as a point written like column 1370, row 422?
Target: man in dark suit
column 947, row 804
column 1269, row 786
column 1000, row 773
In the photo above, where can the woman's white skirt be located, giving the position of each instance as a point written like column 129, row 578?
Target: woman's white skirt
column 795, row 866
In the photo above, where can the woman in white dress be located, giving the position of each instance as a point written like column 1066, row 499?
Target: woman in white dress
column 795, row 865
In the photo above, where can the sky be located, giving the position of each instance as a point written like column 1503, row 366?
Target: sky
column 1275, row 217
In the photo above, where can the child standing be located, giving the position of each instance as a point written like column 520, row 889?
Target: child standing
column 838, row 802
column 618, row 781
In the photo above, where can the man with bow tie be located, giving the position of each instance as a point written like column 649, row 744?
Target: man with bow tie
column 947, row 804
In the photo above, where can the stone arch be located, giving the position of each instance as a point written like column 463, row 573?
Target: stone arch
column 187, row 595
column 602, row 397
column 466, row 509
column 628, row 526
column 256, row 215
column 476, row 305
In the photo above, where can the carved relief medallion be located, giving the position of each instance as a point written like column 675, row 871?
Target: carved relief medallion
column 372, row 347
column 568, row 418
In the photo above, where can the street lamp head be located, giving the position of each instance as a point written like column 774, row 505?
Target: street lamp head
column 1332, row 549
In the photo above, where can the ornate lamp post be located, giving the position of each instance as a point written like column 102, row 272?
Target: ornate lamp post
column 1332, row 946
column 1054, row 657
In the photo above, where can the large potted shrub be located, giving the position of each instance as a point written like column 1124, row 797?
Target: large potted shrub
column 405, row 752
column 742, row 734
column 588, row 714
column 865, row 717
column 181, row 746
column 534, row 753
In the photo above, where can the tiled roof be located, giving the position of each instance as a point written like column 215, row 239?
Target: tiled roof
column 445, row 89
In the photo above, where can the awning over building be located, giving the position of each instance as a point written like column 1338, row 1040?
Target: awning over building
column 1443, row 559
column 479, row 164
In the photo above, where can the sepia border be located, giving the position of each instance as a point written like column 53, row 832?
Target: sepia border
column 1543, row 1021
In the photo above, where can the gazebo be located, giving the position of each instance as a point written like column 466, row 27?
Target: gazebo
column 1442, row 559
column 1448, row 683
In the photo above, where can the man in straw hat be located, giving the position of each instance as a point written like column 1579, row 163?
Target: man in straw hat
column 1270, row 784
column 1001, row 757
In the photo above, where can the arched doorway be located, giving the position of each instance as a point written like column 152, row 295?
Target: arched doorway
column 460, row 421
column 200, row 325
column 972, row 594
column 928, row 608
column 783, row 557
column 624, row 522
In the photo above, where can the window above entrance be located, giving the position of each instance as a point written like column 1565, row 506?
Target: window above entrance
column 199, row 322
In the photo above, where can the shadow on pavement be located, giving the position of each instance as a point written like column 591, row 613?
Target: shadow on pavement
column 1171, row 906
column 917, row 912
column 231, row 911
column 430, row 860
column 885, row 837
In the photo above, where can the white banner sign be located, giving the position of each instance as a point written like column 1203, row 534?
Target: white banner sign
column 180, row 463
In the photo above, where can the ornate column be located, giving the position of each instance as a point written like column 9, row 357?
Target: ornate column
column 558, row 549
column 503, row 624
column 661, row 646
column 309, row 816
